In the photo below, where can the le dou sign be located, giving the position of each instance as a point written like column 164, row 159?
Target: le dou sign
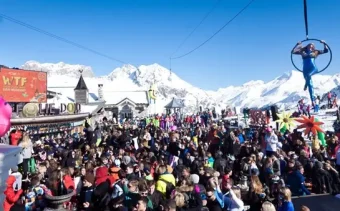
column 44, row 109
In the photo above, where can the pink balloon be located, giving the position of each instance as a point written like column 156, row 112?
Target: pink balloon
column 5, row 117
column 173, row 128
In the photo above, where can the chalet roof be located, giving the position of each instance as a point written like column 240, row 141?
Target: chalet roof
column 81, row 84
column 175, row 103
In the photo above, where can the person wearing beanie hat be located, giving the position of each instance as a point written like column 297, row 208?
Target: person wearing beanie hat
column 14, row 169
column 85, row 199
column 194, row 178
column 198, row 188
column 117, row 163
column 126, row 160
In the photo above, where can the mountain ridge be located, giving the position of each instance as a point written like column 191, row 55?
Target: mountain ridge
column 283, row 90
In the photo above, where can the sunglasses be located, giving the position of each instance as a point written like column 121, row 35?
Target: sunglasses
column 144, row 193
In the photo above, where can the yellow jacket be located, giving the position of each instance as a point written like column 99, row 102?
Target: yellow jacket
column 161, row 185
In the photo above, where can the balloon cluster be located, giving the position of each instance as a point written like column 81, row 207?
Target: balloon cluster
column 5, row 117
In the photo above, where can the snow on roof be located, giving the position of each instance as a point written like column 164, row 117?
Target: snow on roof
column 69, row 94
column 138, row 97
column 89, row 108
column 111, row 97
column 57, row 100
column 94, row 96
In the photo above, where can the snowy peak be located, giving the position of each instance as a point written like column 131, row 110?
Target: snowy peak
column 253, row 83
column 59, row 68
column 157, row 74
column 122, row 72
column 290, row 75
column 146, row 75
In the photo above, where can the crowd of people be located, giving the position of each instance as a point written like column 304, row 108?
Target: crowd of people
column 198, row 165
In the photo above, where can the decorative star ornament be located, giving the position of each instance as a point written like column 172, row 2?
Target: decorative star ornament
column 310, row 125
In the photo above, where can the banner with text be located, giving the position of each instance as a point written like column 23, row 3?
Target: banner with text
column 23, row 86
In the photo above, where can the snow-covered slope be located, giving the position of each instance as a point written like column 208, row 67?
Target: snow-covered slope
column 283, row 91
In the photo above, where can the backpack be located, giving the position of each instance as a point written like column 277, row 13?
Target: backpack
column 190, row 199
column 103, row 201
column 169, row 188
column 200, row 189
column 117, row 190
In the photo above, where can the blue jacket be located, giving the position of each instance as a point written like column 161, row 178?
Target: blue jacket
column 240, row 137
column 286, row 206
column 295, row 181
column 86, row 195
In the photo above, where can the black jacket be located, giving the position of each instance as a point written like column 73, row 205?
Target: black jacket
column 101, row 196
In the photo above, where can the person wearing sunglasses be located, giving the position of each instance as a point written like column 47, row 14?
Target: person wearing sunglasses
column 212, row 202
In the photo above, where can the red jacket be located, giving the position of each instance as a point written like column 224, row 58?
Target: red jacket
column 102, row 175
column 190, row 120
column 11, row 196
column 68, row 182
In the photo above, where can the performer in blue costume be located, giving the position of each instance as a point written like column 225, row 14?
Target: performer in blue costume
column 309, row 54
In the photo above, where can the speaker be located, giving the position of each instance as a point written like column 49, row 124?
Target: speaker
column 274, row 111
column 201, row 109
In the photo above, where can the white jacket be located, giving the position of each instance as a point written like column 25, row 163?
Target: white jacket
column 271, row 141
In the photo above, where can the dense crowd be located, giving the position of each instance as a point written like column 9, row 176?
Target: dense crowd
column 186, row 164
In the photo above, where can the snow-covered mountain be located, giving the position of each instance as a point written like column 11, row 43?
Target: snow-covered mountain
column 59, row 68
column 283, row 91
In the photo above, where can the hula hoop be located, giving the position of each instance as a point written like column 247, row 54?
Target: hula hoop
column 329, row 50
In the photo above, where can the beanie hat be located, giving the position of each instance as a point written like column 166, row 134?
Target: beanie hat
column 194, row 178
column 14, row 169
column 89, row 177
column 126, row 160
column 117, row 162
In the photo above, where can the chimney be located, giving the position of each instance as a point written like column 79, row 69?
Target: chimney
column 100, row 92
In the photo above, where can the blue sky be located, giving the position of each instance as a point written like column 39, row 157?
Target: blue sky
column 255, row 46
